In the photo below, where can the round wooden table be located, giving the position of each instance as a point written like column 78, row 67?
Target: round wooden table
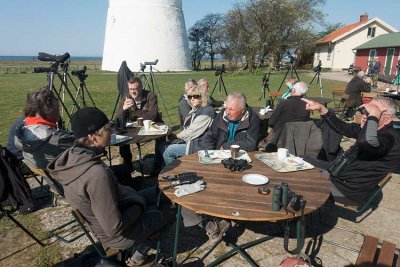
column 228, row 197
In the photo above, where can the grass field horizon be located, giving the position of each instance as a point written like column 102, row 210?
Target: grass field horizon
column 102, row 85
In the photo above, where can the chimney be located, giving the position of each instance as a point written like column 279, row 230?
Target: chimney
column 364, row 18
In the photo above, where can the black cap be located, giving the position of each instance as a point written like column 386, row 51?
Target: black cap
column 87, row 120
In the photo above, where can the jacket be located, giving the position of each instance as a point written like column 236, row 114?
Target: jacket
column 42, row 143
column 301, row 138
column 196, row 125
column 112, row 210
column 246, row 135
column 147, row 111
column 370, row 162
column 354, row 89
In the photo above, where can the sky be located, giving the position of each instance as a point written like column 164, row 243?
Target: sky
column 78, row 26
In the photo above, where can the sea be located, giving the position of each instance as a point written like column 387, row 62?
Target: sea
column 34, row 58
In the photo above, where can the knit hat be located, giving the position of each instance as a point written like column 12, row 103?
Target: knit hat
column 87, row 120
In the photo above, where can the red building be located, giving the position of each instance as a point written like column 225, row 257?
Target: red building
column 386, row 47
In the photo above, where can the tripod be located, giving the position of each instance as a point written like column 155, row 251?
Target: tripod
column 150, row 83
column 80, row 92
column 265, row 86
column 292, row 70
column 319, row 80
column 220, row 83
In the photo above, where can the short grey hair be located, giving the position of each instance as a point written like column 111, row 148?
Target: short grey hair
column 301, row 88
column 240, row 98
column 361, row 74
column 388, row 103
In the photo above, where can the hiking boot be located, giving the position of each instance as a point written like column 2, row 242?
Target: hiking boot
column 216, row 230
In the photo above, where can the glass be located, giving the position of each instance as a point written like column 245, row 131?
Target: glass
column 193, row 96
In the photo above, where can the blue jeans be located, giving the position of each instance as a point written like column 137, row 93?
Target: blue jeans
column 173, row 152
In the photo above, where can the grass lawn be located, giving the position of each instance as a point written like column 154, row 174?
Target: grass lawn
column 103, row 88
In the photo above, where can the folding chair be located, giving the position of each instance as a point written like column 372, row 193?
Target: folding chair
column 360, row 208
column 55, row 187
column 337, row 92
column 273, row 95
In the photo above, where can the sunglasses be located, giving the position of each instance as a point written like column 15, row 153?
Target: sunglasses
column 193, row 96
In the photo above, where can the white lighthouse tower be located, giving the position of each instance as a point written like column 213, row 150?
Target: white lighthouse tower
column 140, row 31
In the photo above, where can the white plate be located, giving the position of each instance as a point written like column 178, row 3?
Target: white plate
column 129, row 124
column 255, row 179
column 293, row 161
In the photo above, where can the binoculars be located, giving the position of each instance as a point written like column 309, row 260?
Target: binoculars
column 283, row 197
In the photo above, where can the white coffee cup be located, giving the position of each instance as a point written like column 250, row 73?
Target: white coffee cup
column 262, row 111
column 146, row 124
column 282, row 153
column 235, row 151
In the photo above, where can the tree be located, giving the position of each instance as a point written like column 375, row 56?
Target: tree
column 196, row 46
column 261, row 28
column 205, row 36
column 329, row 28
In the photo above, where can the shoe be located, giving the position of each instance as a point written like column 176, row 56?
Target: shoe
column 216, row 230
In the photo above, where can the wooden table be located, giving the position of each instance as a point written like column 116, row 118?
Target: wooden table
column 228, row 197
column 322, row 100
column 138, row 140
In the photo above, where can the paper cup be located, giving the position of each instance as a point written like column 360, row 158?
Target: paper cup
column 146, row 124
column 282, row 153
column 262, row 111
column 235, row 151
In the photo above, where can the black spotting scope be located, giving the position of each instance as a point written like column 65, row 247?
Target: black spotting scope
column 53, row 58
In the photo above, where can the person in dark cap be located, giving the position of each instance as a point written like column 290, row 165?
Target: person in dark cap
column 119, row 216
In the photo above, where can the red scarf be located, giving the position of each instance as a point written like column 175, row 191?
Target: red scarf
column 38, row 120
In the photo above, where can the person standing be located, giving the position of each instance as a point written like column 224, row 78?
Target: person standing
column 376, row 69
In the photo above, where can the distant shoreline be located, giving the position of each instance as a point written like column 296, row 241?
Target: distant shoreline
column 34, row 58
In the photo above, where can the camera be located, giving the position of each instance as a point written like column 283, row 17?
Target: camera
column 291, row 57
column 318, row 67
column 235, row 164
column 81, row 74
column 220, row 70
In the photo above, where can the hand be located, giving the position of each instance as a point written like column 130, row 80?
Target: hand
column 373, row 110
column 128, row 103
column 186, row 189
column 315, row 106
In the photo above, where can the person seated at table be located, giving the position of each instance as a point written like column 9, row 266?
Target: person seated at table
column 139, row 103
column 375, row 153
column 289, row 83
column 195, row 125
column 183, row 104
column 356, row 86
column 119, row 216
column 236, row 124
column 214, row 103
column 292, row 109
column 38, row 136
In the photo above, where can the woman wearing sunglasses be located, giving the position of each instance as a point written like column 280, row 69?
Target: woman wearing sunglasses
column 195, row 125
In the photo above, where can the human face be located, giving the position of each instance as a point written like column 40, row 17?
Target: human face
column 103, row 139
column 233, row 110
column 195, row 100
column 384, row 118
column 134, row 90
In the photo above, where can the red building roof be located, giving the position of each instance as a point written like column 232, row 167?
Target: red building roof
column 333, row 35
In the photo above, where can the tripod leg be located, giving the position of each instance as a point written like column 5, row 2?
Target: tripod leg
column 284, row 79
column 320, row 83
column 88, row 93
column 313, row 78
column 223, row 86
column 115, row 106
column 215, row 85
column 154, row 83
column 297, row 76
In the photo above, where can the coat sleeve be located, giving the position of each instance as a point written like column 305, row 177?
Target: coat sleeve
column 198, row 126
column 148, row 112
column 349, row 130
column 102, row 192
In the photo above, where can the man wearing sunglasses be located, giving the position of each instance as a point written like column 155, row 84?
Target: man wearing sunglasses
column 376, row 151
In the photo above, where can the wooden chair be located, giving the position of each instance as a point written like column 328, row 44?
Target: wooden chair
column 273, row 95
column 369, row 95
column 362, row 207
column 376, row 253
column 345, row 106
column 55, row 187
column 102, row 250
column 337, row 92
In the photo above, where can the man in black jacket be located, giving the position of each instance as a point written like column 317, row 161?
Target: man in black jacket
column 356, row 86
column 236, row 124
column 375, row 153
